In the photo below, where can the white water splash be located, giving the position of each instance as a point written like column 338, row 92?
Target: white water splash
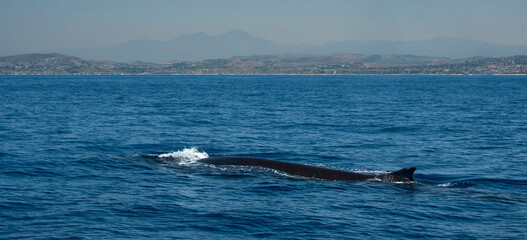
column 187, row 156
column 445, row 185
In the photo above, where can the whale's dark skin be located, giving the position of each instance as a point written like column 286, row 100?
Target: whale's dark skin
column 295, row 169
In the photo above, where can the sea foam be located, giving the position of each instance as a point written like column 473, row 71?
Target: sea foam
column 187, row 156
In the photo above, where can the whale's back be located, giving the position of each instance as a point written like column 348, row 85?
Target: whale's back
column 302, row 170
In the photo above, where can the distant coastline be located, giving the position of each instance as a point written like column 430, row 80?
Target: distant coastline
column 292, row 64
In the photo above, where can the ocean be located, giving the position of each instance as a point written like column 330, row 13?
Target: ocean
column 105, row 157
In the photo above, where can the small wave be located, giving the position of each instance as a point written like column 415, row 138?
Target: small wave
column 187, row 156
column 484, row 181
column 457, row 184
column 398, row 129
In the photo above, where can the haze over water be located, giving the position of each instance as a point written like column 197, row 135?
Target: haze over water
column 57, row 25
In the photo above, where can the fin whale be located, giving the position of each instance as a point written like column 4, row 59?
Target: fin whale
column 295, row 169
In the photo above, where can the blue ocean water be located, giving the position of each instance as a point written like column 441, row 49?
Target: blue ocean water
column 79, row 156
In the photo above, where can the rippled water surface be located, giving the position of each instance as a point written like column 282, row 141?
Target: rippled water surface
column 79, row 156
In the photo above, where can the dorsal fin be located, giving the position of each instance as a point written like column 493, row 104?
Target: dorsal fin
column 403, row 175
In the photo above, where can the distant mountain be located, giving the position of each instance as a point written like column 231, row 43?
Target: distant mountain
column 193, row 47
column 200, row 46
column 438, row 47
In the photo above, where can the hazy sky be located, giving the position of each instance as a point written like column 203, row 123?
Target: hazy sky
column 44, row 26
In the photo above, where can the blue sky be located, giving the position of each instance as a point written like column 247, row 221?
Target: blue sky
column 43, row 26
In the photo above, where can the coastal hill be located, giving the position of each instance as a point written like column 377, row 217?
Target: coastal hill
column 54, row 63
column 201, row 46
